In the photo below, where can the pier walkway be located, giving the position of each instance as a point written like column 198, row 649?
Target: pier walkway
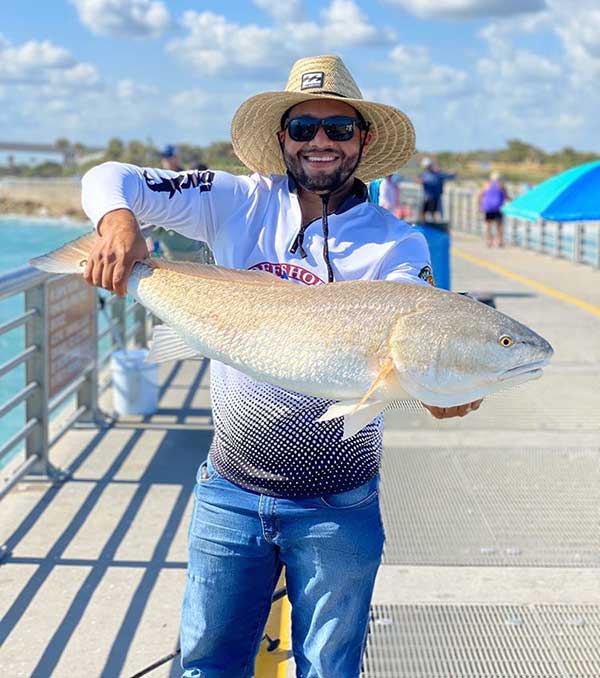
column 492, row 557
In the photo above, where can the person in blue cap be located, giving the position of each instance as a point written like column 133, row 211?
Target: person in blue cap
column 172, row 245
column 170, row 159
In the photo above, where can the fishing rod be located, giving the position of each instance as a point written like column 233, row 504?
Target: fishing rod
column 272, row 643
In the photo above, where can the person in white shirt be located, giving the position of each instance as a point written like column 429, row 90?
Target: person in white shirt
column 278, row 488
column 389, row 194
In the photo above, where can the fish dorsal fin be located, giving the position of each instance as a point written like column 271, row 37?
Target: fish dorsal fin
column 72, row 257
column 69, row 258
column 357, row 414
column 213, row 272
column 168, row 345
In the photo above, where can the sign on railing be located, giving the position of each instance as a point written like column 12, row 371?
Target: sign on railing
column 71, row 327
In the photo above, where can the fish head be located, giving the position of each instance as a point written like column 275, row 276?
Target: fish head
column 453, row 350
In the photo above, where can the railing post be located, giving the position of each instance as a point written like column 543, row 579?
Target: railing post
column 475, row 213
column 542, row 235
column 118, row 313
column 87, row 393
column 598, row 246
column 37, row 404
column 139, row 316
column 577, row 242
column 527, row 239
column 512, row 230
column 559, row 238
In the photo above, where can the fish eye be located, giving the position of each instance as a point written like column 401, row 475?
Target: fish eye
column 505, row 341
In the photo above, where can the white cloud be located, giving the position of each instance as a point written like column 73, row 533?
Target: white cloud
column 419, row 78
column 31, row 61
column 129, row 18
column 134, row 91
column 43, row 63
column 520, row 69
column 282, row 12
column 214, row 45
column 578, row 29
column 466, row 9
column 345, row 25
column 195, row 101
column 79, row 75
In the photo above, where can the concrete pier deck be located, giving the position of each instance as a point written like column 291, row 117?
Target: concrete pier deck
column 492, row 559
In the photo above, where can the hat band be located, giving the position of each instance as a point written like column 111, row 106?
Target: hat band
column 335, row 94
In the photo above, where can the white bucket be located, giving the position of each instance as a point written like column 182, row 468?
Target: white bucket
column 135, row 382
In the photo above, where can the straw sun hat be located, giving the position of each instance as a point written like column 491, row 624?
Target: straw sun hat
column 256, row 122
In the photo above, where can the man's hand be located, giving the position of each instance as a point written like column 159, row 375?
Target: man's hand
column 457, row 411
column 118, row 248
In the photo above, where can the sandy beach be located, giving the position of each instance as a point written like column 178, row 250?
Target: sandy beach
column 41, row 197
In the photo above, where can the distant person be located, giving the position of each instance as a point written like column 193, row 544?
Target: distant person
column 170, row 159
column 389, row 194
column 491, row 198
column 171, row 244
column 432, row 180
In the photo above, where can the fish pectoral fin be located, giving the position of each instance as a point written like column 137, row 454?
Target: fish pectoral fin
column 168, row 345
column 357, row 414
column 387, row 368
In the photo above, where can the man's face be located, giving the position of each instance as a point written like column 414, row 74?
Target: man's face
column 321, row 164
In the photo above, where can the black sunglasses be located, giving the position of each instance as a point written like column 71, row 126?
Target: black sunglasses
column 337, row 127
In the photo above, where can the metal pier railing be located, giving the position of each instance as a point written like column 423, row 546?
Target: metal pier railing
column 50, row 412
column 578, row 241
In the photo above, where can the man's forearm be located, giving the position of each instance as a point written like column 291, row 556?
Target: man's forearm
column 122, row 219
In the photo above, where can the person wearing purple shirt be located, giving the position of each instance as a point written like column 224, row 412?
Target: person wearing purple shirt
column 491, row 198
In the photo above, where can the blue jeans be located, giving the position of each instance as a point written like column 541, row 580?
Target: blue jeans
column 238, row 542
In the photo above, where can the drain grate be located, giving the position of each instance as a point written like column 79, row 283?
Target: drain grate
column 475, row 641
column 494, row 506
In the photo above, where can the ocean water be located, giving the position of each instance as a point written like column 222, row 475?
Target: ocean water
column 21, row 239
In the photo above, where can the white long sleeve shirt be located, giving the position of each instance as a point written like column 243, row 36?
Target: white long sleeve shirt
column 266, row 438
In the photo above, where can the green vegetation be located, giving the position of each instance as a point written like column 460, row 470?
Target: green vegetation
column 518, row 161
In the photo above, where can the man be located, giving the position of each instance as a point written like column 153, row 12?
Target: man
column 278, row 487
column 432, row 180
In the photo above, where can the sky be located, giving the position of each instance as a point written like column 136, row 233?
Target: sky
column 470, row 74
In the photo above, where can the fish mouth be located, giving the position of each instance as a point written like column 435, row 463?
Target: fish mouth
column 532, row 369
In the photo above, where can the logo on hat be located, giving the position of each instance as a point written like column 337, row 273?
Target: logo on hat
column 312, row 80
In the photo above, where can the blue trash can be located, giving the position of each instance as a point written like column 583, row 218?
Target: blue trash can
column 437, row 235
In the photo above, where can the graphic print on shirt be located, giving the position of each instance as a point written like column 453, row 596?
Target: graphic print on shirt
column 288, row 271
column 268, row 440
column 202, row 180
column 426, row 274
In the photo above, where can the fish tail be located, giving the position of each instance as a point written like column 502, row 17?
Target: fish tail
column 70, row 258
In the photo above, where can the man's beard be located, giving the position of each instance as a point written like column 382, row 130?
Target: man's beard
column 325, row 182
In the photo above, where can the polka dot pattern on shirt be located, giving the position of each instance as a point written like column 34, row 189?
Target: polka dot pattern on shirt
column 267, row 440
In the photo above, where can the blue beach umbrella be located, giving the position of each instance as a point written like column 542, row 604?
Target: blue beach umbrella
column 573, row 195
